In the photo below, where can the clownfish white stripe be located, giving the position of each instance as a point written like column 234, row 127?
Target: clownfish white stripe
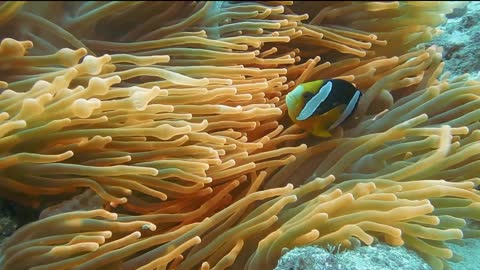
column 348, row 110
column 315, row 101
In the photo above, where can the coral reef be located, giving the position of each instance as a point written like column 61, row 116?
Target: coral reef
column 362, row 258
column 154, row 135
column 459, row 37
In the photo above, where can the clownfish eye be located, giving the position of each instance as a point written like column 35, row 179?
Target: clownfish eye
column 307, row 95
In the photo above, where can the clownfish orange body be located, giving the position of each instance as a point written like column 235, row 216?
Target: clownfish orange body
column 322, row 105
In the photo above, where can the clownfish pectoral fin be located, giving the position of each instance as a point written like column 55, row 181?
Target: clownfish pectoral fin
column 322, row 133
column 321, row 123
column 348, row 110
column 315, row 101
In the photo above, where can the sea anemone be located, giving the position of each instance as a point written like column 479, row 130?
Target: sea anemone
column 154, row 135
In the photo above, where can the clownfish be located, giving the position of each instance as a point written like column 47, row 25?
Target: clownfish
column 322, row 105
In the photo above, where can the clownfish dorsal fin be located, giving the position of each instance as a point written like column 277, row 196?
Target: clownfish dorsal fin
column 315, row 101
column 348, row 110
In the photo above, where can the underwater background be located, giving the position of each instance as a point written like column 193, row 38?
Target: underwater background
column 156, row 135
